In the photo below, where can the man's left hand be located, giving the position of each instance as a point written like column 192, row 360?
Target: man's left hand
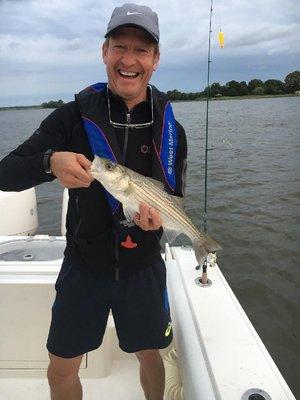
column 148, row 218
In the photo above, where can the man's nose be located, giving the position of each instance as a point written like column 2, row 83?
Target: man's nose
column 128, row 58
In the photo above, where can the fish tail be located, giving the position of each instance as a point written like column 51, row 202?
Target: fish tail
column 203, row 247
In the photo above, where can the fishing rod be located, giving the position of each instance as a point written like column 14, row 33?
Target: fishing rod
column 206, row 124
column 204, row 267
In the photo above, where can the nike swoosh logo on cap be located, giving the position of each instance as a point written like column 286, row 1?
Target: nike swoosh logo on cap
column 132, row 13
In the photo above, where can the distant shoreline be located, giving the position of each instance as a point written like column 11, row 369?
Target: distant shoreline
column 19, row 108
column 247, row 96
column 250, row 96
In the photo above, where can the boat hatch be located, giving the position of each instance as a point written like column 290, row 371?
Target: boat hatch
column 32, row 249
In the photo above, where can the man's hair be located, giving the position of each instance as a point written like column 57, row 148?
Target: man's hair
column 156, row 45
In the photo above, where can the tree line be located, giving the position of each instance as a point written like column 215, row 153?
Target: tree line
column 291, row 84
column 52, row 104
column 233, row 88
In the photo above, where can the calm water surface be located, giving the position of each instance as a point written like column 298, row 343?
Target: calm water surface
column 253, row 205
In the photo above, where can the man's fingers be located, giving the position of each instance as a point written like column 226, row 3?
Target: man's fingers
column 136, row 217
column 143, row 221
column 71, row 182
column 83, row 161
column 86, row 164
column 148, row 218
column 81, row 174
column 70, row 169
column 155, row 219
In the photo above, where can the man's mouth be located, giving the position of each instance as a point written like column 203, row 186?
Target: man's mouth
column 128, row 74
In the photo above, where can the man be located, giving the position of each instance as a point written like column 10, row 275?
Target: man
column 108, row 264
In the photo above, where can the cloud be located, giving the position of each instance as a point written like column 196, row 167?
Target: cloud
column 266, row 38
column 54, row 47
column 46, row 51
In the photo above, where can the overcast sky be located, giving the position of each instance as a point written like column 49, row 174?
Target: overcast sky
column 51, row 49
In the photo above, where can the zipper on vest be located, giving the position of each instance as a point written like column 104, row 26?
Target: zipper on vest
column 117, row 274
column 117, row 254
column 126, row 138
column 80, row 218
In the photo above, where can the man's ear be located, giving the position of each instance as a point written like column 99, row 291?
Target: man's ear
column 104, row 52
column 156, row 60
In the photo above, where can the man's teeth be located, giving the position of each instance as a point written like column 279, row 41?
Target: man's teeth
column 129, row 73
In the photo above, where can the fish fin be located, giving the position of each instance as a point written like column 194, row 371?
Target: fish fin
column 211, row 244
column 200, row 252
column 171, row 235
column 203, row 247
column 129, row 213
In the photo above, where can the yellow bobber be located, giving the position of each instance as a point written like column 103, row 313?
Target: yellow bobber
column 221, row 39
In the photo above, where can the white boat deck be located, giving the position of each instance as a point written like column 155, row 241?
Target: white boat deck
column 221, row 357
column 121, row 384
column 220, row 354
column 26, row 296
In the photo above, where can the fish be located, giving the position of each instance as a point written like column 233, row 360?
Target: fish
column 131, row 189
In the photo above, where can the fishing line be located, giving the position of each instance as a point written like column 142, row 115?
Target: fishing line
column 206, row 123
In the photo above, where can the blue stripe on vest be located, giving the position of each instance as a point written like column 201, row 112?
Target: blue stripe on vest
column 101, row 148
column 166, row 300
column 98, row 87
column 169, row 146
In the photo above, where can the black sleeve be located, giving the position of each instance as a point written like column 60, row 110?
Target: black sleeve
column 23, row 167
column 181, row 164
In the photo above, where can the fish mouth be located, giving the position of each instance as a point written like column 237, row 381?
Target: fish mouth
column 96, row 168
column 92, row 171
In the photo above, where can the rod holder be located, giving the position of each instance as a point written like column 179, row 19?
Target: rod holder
column 199, row 282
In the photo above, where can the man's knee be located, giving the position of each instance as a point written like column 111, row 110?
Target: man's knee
column 61, row 370
column 148, row 357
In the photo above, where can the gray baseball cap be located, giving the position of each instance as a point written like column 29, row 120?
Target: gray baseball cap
column 134, row 15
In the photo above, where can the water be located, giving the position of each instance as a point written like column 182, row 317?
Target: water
column 253, row 205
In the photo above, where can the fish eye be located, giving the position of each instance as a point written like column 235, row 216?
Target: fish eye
column 109, row 166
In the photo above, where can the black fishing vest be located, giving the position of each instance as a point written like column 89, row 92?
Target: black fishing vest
column 103, row 142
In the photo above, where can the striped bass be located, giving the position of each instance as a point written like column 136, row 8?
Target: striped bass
column 132, row 189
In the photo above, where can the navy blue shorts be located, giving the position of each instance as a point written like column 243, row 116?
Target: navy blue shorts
column 80, row 311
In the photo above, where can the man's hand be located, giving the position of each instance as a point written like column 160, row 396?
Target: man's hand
column 148, row 218
column 70, row 168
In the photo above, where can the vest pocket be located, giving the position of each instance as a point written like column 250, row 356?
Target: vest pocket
column 95, row 253
column 79, row 216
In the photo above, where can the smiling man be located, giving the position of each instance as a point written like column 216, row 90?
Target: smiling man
column 130, row 57
column 110, row 264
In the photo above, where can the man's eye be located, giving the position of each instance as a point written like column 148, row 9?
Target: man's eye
column 142, row 50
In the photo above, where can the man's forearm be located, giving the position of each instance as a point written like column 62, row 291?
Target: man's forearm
column 19, row 172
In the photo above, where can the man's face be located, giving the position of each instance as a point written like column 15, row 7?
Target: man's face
column 130, row 59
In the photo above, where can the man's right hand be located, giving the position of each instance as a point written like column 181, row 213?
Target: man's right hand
column 71, row 169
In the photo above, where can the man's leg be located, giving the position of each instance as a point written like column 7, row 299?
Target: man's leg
column 142, row 319
column 152, row 374
column 63, row 378
column 81, row 301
